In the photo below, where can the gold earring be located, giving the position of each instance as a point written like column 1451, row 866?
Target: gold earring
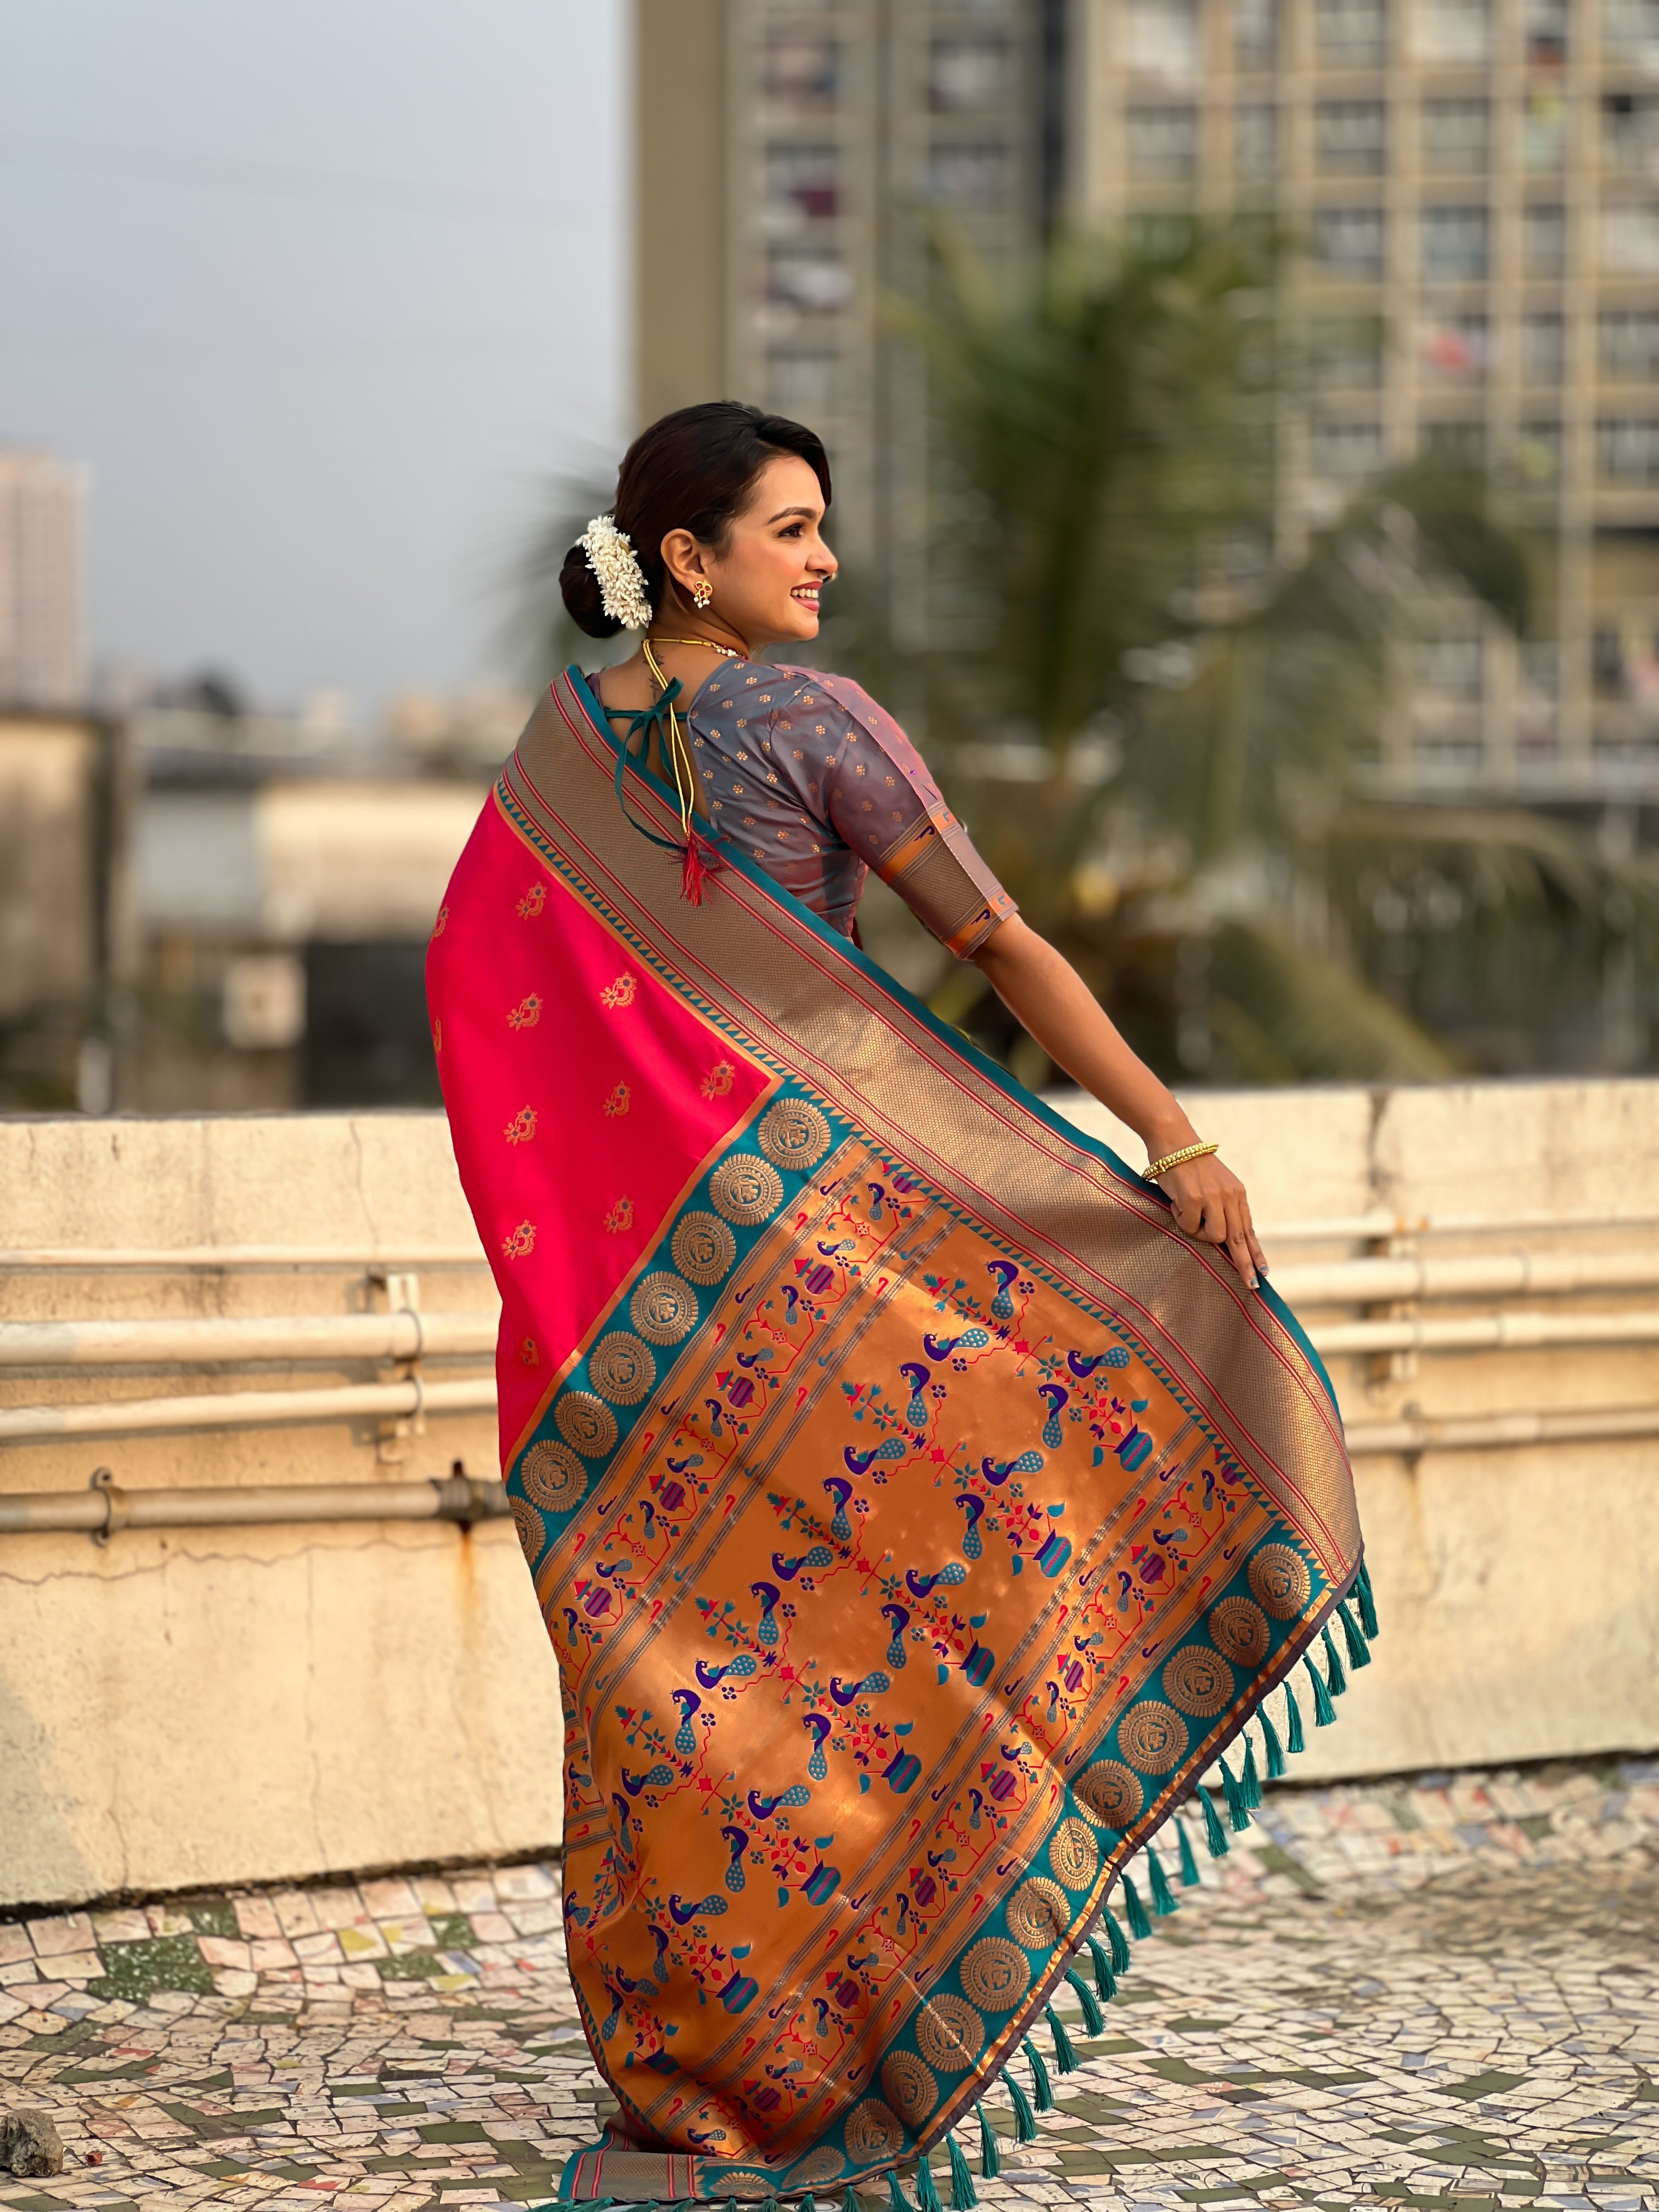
column 702, row 593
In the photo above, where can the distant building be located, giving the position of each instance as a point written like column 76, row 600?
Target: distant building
column 42, row 585
column 790, row 153
column 1477, row 182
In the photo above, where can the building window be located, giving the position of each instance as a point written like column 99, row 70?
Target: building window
column 1161, row 237
column 966, row 74
column 1162, row 142
column 1452, row 667
column 1544, row 240
column 1460, row 443
column 1352, row 34
column 802, row 383
column 1457, row 136
column 1347, row 451
column 803, row 72
column 1348, row 242
column 1543, row 349
column 1546, row 33
column 1454, row 348
column 973, row 177
column 813, row 279
column 1453, row 32
column 1629, row 238
column 806, row 179
column 1630, row 32
column 1162, row 38
column 1629, row 133
column 1628, row 450
column 1346, row 353
column 1350, row 138
column 1539, row 454
column 1544, row 131
column 1630, row 344
column 1255, row 34
column 1454, row 245
column 1255, row 142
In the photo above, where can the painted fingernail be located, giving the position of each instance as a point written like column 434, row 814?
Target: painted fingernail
column 1253, row 1283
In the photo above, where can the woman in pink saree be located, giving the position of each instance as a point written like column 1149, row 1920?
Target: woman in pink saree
column 920, row 1500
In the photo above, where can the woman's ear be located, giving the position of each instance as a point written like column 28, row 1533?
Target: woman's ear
column 681, row 557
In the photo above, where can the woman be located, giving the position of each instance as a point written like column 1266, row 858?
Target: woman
column 918, row 1500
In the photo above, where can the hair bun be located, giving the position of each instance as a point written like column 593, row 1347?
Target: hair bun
column 583, row 599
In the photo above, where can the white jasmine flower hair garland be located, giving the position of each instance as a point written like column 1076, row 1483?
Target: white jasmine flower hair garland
column 622, row 581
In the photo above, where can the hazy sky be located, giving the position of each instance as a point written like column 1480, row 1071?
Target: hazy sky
column 323, row 292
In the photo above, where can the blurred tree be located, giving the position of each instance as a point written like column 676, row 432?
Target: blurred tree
column 1157, row 703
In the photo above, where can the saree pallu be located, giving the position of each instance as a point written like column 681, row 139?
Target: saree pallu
column 914, row 1512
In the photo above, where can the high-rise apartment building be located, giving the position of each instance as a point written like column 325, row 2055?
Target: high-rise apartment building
column 41, row 580
column 1475, row 187
column 790, row 156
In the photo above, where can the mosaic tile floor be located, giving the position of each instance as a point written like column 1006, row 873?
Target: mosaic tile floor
column 1437, row 1994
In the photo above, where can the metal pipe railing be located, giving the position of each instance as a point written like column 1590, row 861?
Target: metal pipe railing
column 410, row 1396
column 404, row 1334
column 1502, row 1332
column 104, row 1507
column 1522, row 1275
column 94, row 1258
column 1418, row 1433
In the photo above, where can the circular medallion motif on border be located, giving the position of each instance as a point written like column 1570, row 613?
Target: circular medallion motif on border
column 553, row 1477
column 820, row 2165
column 533, row 1529
column 996, row 1973
column 871, row 2131
column 1152, row 1736
column 909, row 2085
column 792, row 1135
column 663, row 1308
column 1280, row 1579
column 950, row 2032
column 1238, row 1628
column 1039, row 1912
column 587, row 1423
column 1073, row 1854
column 703, row 1247
column 746, row 1189
column 620, row 1369
column 742, row 2185
column 1110, row 1792
column 1199, row 1681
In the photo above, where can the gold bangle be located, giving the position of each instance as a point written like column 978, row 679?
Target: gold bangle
column 1156, row 1168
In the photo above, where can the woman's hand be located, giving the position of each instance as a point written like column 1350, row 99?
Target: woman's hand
column 1210, row 1203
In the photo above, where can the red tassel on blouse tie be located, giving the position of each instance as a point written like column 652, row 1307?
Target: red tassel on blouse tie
column 700, row 861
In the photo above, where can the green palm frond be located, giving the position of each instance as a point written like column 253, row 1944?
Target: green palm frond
column 1290, row 1014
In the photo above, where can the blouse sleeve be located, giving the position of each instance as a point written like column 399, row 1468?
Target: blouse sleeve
column 880, row 799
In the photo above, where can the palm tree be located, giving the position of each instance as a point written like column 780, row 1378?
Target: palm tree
column 1113, row 587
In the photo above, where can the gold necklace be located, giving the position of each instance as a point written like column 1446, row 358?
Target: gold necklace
column 707, row 644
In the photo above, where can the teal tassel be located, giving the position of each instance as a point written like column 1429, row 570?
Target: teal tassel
column 1367, row 1603
column 990, row 2159
column 1105, row 1980
column 771, row 2205
column 1118, row 1941
column 1025, row 2126
column 849, row 2200
column 1251, row 1783
column 1139, row 1925
column 896, row 2197
column 1275, row 1749
column 927, row 2193
column 1238, row 1813
column 1339, row 1681
column 963, row 2195
column 1215, row 1836
column 1043, row 2089
column 1324, row 1710
column 1064, row 2056
column 1188, row 1864
column 1298, row 1741
column 1358, row 1652
column 1162, row 1903
column 1094, row 2021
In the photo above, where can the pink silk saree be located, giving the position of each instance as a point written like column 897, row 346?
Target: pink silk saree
column 916, row 1514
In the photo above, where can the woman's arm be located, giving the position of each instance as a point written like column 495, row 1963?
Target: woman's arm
column 1041, row 989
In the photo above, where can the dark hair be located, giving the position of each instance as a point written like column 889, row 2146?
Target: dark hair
column 690, row 471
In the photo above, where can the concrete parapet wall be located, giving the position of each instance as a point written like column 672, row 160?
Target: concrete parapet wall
column 227, row 1705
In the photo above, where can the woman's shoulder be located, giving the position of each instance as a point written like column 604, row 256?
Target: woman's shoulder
column 841, row 695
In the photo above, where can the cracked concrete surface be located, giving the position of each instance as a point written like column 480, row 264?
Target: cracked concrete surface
column 1440, row 1993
